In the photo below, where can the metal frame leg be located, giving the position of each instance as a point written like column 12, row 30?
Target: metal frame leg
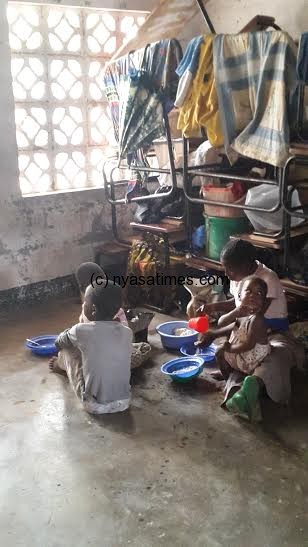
column 206, row 16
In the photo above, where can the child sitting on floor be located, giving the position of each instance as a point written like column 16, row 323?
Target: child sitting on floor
column 96, row 355
column 90, row 272
column 248, row 345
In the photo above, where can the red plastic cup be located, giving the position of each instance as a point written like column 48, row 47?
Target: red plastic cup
column 200, row 324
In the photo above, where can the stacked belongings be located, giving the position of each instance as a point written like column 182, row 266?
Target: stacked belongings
column 146, row 265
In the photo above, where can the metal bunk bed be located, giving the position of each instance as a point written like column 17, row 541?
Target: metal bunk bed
column 278, row 178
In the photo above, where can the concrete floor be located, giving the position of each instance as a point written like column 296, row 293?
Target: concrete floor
column 176, row 470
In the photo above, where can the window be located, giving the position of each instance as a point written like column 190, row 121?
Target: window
column 63, row 127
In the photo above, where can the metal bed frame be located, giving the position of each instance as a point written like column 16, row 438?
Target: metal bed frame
column 279, row 179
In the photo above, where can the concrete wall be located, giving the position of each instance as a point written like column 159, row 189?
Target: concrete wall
column 43, row 237
column 47, row 236
column 230, row 16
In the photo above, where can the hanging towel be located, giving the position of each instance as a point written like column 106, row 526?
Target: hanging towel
column 200, row 108
column 302, row 59
column 187, row 69
column 254, row 74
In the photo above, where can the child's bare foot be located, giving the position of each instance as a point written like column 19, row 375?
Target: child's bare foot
column 54, row 365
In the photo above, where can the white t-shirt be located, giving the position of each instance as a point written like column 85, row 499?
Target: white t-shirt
column 278, row 308
column 106, row 348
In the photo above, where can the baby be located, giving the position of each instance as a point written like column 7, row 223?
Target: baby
column 248, row 344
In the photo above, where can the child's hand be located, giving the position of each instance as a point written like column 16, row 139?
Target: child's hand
column 243, row 311
column 205, row 339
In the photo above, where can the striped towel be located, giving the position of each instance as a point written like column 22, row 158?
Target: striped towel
column 255, row 74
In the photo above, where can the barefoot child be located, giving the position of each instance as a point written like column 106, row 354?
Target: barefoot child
column 96, row 355
column 90, row 272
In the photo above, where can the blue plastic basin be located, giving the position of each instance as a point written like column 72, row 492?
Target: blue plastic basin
column 207, row 354
column 46, row 345
column 172, row 368
column 169, row 340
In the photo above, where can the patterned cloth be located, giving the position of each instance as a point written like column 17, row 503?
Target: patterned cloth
column 141, row 117
column 135, row 86
column 200, row 108
column 113, row 75
column 255, row 73
column 247, row 361
column 187, row 69
column 160, row 63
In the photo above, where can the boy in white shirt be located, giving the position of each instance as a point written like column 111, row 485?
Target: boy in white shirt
column 97, row 355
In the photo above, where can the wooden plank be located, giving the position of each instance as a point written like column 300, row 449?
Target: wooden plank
column 157, row 228
column 262, row 242
column 203, row 264
column 294, row 288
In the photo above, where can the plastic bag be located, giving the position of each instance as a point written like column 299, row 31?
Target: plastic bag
column 267, row 196
column 198, row 238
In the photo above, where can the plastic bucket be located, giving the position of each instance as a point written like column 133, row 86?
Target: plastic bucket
column 218, row 232
column 224, row 194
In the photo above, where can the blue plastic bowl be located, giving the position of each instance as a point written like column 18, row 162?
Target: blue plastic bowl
column 46, row 345
column 169, row 340
column 173, row 368
column 207, row 354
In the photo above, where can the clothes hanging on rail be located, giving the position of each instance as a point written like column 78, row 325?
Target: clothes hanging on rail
column 200, row 108
column 187, row 69
column 254, row 74
column 138, row 87
column 141, row 118
column 160, row 63
column 113, row 75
